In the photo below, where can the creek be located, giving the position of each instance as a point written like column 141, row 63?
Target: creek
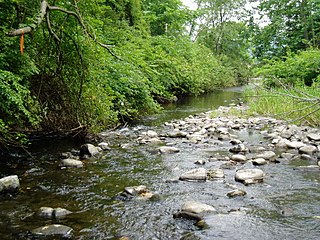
column 285, row 206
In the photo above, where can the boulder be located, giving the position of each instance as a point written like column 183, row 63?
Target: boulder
column 198, row 174
column 249, row 176
column 151, row 134
column 71, row 163
column 197, row 207
column 54, row 230
column 239, row 158
column 48, row 212
column 259, row 161
column 88, row 150
column 309, row 149
column 167, row 149
column 9, row 184
column 295, row 144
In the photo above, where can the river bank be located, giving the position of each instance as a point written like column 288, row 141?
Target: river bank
column 279, row 200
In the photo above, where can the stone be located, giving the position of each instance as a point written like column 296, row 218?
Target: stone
column 309, row 149
column 236, row 193
column 198, row 174
column 60, row 212
column 295, row 144
column 200, row 162
column 235, row 141
column 287, row 155
column 188, row 215
column 104, row 146
column 197, row 207
column 71, row 163
column 214, row 174
column 136, row 190
column 151, row 134
column 88, row 150
column 9, row 184
column 54, row 230
column 239, row 158
column 307, row 157
column 46, row 212
column 249, row 176
column 314, row 136
column 239, row 148
column 167, row 149
column 259, row 161
column 267, row 155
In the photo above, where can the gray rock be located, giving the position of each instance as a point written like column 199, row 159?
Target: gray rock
column 239, row 158
column 295, row 144
column 259, row 161
column 314, row 136
column 309, row 149
column 9, row 184
column 239, row 148
column 54, row 230
column 60, row 212
column 236, row 193
column 199, row 174
column 71, row 163
column 88, row 150
column 267, row 155
column 152, row 134
column 200, row 162
column 287, row 155
column 188, row 215
column 167, row 149
column 104, row 146
column 197, row 207
column 249, row 176
column 46, row 212
column 214, row 174
column 136, row 190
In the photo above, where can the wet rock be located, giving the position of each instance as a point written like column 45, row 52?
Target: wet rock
column 197, row 207
column 46, row 212
column 249, row 176
column 236, row 193
column 54, row 230
column 88, row 150
column 267, row 155
column 309, row 149
column 71, row 163
column 60, row 212
column 239, row 158
column 200, row 162
column 188, row 215
column 199, row 174
column 295, row 144
column 214, row 174
column 314, row 136
column 239, row 148
column 9, row 184
column 177, row 134
column 167, row 149
column 259, row 161
column 104, row 146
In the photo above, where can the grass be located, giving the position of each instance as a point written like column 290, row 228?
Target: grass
column 300, row 105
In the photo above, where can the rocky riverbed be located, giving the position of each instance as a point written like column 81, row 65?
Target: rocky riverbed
column 224, row 176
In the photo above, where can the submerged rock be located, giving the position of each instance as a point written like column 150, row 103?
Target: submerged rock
column 249, row 176
column 54, row 230
column 48, row 212
column 9, row 184
column 236, row 193
column 198, row 174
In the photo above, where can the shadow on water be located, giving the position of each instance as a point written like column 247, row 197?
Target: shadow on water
column 285, row 206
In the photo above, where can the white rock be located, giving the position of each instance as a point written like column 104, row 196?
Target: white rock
column 259, row 161
column 9, row 183
column 56, row 230
column 72, row 163
column 314, row 136
column 249, row 175
column 197, row 207
column 167, row 149
column 198, row 174
column 239, row 158
column 295, row 144
column 152, row 134
column 309, row 149
column 267, row 155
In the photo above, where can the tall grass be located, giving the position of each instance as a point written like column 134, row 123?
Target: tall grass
column 299, row 105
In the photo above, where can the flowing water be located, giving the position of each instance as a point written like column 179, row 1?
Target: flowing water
column 285, row 206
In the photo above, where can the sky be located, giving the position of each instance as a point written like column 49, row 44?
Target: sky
column 189, row 3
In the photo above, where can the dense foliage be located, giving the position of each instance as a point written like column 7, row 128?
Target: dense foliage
column 88, row 65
